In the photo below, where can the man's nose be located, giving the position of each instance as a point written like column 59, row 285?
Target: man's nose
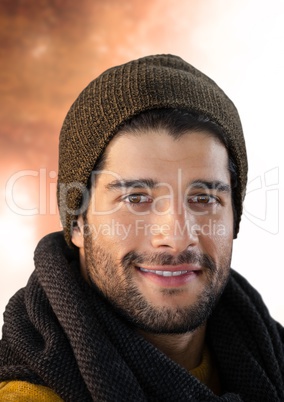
column 174, row 228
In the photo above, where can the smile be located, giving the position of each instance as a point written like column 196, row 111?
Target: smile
column 164, row 273
column 169, row 276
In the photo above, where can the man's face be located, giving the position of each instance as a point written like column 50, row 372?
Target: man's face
column 159, row 229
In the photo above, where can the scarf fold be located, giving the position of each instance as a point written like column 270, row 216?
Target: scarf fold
column 61, row 333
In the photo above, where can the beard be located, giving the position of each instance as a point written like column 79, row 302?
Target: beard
column 122, row 292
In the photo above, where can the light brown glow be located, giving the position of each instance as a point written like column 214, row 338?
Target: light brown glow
column 51, row 49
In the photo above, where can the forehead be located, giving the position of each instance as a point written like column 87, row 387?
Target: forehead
column 157, row 149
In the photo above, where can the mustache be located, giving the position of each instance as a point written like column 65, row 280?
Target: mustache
column 185, row 257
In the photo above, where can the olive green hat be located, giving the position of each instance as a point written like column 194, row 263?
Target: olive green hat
column 124, row 91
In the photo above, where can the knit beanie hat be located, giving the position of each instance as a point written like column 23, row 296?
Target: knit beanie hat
column 124, row 91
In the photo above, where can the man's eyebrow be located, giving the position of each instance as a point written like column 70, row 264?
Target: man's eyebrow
column 210, row 185
column 150, row 184
column 137, row 183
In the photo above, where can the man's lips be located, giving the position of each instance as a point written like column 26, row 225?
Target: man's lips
column 170, row 270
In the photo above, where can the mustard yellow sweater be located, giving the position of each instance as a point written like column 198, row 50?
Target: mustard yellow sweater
column 21, row 391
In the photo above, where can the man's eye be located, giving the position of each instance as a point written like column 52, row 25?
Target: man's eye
column 202, row 199
column 137, row 199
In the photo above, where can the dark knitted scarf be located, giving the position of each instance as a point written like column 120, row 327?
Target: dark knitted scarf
column 60, row 333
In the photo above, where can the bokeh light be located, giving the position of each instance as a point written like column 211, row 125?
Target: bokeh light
column 49, row 52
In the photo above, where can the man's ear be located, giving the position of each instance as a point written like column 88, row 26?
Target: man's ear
column 78, row 233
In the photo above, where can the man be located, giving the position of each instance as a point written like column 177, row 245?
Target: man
column 137, row 301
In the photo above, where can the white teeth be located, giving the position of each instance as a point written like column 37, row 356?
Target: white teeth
column 164, row 273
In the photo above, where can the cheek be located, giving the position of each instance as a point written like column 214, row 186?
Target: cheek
column 123, row 229
column 116, row 237
column 216, row 237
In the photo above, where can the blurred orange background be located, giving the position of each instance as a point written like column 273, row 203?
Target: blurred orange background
column 51, row 49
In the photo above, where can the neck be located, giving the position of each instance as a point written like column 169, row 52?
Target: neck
column 184, row 349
